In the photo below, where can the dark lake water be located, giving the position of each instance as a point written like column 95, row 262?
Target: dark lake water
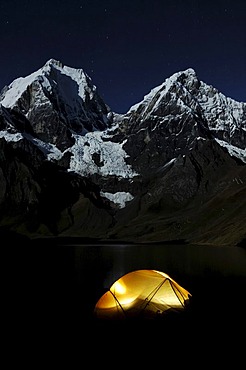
column 55, row 286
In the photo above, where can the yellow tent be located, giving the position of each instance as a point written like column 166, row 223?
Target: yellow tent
column 142, row 294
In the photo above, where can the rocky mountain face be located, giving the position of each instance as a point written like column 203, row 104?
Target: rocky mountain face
column 173, row 168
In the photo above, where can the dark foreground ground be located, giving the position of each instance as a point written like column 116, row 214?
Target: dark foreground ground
column 48, row 319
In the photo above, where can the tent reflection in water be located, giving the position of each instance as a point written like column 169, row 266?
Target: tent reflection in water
column 142, row 294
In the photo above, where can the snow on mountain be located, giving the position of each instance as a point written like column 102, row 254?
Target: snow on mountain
column 111, row 157
column 184, row 94
column 43, row 76
column 69, row 87
column 193, row 94
column 67, row 95
column 8, row 136
column 233, row 150
column 119, row 198
column 165, row 170
column 67, row 91
column 170, row 86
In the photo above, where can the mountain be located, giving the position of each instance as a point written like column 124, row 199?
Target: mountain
column 57, row 100
column 173, row 168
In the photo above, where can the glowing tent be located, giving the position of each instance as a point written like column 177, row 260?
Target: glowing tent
column 142, row 294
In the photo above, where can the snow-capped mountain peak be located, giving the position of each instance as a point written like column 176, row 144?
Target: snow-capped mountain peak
column 156, row 95
column 53, row 72
column 184, row 97
column 171, row 168
column 61, row 95
column 83, row 81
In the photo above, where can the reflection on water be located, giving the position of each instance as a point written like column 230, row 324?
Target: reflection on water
column 54, row 288
column 99, row 266
column 57, row 282
column 189, row 260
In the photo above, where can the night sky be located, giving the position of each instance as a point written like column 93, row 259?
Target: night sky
column 127, row 47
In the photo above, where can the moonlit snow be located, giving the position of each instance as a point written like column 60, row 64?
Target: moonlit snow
column 221, row 113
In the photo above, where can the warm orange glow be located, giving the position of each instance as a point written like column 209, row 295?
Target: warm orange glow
column 118, row 288
column 144, row 291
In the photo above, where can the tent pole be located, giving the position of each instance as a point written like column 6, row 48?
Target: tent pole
column 118, row 302
column 177, row 295
column 153, row 293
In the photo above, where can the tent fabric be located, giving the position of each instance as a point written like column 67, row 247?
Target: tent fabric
column 143, row 294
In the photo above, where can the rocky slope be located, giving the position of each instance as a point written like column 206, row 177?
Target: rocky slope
column 173, row 168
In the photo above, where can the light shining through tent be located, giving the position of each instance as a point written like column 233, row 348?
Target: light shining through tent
column 118, row 288
column 142, row 292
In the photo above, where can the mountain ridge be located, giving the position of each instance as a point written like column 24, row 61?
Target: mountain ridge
column 163, row 171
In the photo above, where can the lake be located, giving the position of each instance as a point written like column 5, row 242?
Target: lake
column 55, row 286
